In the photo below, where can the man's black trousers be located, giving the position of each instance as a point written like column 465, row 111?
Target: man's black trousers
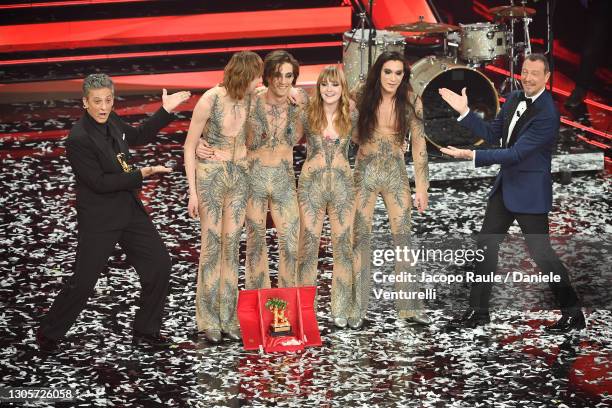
column 145, row 251
column 498, row 220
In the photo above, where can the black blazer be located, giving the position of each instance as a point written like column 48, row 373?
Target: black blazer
column 104, row 192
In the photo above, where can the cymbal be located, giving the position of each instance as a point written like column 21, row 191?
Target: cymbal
column 512, row 11
column 423, row 27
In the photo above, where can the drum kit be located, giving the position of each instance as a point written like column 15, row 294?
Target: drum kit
column 466, row 49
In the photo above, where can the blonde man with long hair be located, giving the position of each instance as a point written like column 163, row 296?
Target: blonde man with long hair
column 326, row 187
column 218, row 192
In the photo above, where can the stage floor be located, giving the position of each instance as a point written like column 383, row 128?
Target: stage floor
column 387, row 363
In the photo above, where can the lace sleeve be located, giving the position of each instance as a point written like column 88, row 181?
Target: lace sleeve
column 354, row 116
column 419, row 147
column 301, row 125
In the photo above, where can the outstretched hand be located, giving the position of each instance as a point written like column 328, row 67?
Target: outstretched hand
column 152, row 170
column 456, row 101
column 458, row 153
column 170, row 102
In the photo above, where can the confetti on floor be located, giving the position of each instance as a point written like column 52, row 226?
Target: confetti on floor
column 389, row 362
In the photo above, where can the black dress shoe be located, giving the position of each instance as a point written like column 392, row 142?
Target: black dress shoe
column 477, row 320
column 471, row 319
column 567, row 323
column 458, row 321
column 155, row 340
column 419, row 318
column 45, row 344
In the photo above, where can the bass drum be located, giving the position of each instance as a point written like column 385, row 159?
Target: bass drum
column 355, row 51
column 428, row 75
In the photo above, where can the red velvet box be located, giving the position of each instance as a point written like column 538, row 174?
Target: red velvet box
column 255, row 319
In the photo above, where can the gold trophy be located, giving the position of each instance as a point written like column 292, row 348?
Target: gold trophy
column 280, row 325
column 123, row 162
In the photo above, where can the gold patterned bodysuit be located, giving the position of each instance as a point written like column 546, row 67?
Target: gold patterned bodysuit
column 270, row 157
column 222, row 188
column 380, row 169
column 326, row 186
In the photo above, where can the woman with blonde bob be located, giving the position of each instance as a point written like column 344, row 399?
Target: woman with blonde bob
column 326, row 186
column 218, row 192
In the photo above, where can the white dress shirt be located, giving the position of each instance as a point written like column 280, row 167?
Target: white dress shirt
column 520, row 109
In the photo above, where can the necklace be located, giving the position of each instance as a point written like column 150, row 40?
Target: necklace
column 276, row 113
column 236, row 106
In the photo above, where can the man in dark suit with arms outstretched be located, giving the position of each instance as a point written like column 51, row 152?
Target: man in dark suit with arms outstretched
column 109, row 211
column 527, row 128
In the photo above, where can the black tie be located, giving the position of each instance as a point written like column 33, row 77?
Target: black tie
column 525, row 99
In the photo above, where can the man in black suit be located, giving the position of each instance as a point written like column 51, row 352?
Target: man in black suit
column 527, row 128
column 109, row 211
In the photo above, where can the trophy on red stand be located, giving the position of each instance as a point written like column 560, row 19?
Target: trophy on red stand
column 280, row 325
column 278, row 319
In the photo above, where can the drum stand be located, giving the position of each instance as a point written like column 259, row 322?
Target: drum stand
column 527, row 45
column 371, row 43
column 511, row 83
column 362, row 45
column 451, row 46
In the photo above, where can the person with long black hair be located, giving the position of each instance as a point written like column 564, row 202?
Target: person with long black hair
column 388, row 111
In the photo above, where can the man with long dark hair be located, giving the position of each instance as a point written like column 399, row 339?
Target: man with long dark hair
column 274, row 127
column 388, row 111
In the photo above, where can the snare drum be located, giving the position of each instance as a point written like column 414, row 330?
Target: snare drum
column 481, row 42
column 355, row 52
